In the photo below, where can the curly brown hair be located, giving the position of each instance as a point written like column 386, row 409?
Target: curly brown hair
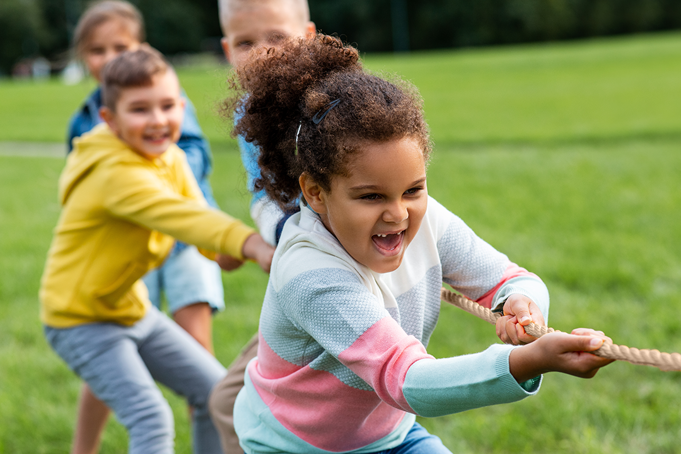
column 277, row 94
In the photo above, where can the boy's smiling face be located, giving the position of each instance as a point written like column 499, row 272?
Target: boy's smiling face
column 375, row 211
column 148, row 118
column 261, row 26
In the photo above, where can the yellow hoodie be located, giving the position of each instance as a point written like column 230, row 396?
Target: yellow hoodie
column 120, row 215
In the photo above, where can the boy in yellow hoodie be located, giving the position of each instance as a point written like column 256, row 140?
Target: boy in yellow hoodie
column 127, row 192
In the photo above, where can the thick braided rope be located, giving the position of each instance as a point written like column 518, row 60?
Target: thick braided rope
column 655, row 358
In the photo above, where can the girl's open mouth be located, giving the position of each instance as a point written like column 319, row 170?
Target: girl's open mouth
column 388, row 243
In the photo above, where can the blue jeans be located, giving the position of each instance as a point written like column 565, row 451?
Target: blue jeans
column 419, row 441
column 120, row 364
column 186, row 277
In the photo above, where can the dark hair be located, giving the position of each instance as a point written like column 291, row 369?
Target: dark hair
column 131, row 69
column 281, row 90
column 101, row 12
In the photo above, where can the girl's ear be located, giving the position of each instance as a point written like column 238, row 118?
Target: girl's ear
column 109, row 116
column 313, row 193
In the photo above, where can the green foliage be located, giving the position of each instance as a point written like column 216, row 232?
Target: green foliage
column 20, row 32
column 173, row 26
column 436, row 24
column 44, row 27
column 180, row 26
column 565, row 157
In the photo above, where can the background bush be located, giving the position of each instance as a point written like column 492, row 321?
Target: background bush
column 32, row 27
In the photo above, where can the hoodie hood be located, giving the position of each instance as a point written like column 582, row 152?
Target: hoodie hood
column 89, row 150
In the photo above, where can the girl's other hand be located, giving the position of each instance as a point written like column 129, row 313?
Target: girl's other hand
column 227, row 262
column 560, row 352
column 519, row 311
column 257, row 249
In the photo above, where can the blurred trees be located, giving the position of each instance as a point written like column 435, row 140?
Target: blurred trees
column 29, row 28
column 460, row 23
column 42, row 27
column 21, row 31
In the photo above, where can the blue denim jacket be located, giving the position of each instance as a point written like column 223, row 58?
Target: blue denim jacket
column 192, row 141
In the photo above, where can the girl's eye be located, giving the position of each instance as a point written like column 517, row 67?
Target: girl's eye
column 168, row 106
column 413, row 191
column 96, row 51
column 121, row 49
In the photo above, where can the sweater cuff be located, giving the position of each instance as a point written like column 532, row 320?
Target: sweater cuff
column 233, row 242
column 436, row 387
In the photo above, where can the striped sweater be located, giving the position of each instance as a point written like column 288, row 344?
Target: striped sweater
column 342, row 363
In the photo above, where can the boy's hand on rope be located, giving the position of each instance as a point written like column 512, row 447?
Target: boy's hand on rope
column 257, row 249
column 560, row 352
column 227, row 262
column 519, row 311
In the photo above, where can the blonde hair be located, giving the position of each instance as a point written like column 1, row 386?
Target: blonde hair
column 131, row 69
column 100, row 12
column 229, row 7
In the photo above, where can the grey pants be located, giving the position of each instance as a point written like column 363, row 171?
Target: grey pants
column 120, row 364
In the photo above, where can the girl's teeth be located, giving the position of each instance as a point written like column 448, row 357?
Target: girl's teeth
column 383, row 235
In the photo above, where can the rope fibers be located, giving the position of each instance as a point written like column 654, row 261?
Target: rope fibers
column 655, row 358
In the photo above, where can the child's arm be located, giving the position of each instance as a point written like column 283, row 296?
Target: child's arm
column 136, row 194
column 560, row 352
column 259, row 250
column 256, row 248
column 475, row 269
column 346, row 321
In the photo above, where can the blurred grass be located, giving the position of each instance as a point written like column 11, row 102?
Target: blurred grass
column 563, row 156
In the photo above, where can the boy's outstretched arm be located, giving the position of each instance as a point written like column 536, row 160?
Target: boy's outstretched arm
column 227, row 262
column 256, row 248
column 559, row 352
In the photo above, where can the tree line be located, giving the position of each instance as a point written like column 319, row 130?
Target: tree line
column 29, row 28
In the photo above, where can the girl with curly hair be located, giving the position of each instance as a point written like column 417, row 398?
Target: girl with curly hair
column 354, row 290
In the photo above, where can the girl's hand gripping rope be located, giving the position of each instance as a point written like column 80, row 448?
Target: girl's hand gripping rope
column 519, row 311
column 560, row 352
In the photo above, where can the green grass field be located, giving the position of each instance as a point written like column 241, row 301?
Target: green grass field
column 563, row 156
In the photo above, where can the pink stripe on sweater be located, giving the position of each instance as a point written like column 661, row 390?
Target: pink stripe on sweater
column 323, row 411
column 512, row 271
column 270, row 364
column 382, row 356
